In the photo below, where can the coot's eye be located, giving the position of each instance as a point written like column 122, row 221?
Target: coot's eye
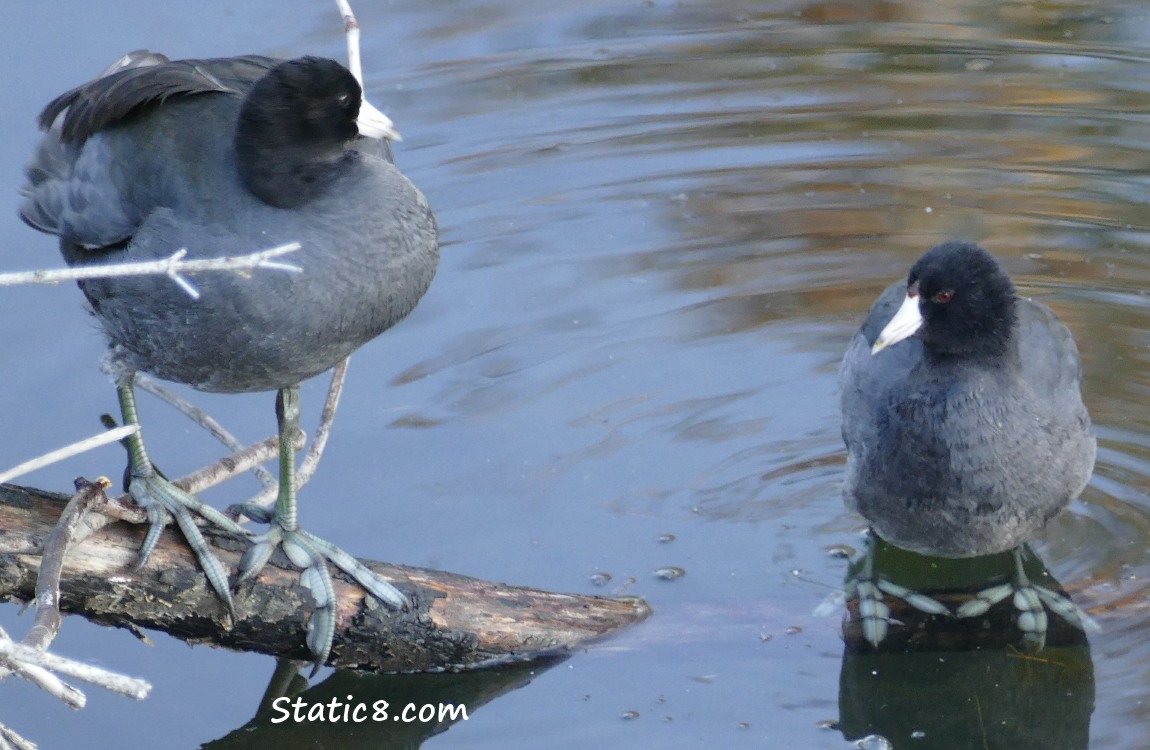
column 946, row 295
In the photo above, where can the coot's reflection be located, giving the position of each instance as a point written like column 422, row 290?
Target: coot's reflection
column 937, row 680
column 351, row 710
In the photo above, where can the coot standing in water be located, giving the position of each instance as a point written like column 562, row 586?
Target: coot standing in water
column 964, row 423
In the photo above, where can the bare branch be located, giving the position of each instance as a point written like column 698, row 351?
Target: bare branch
column 203, row 419
column 31, row 658
column 174, row 267
column 233, row 465
column 14, row 661
column 80, row 446
column 9, row 740
column 47, row 623
column 351, row 28
column 327, row 416
column 455, row 621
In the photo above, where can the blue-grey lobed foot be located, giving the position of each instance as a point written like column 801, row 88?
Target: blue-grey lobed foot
column 1030, row 601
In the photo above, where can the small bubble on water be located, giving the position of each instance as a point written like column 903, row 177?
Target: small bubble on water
column 670, row 573
column 629, row 715
column 600, row 578
column 624, row 586
column 841, row 551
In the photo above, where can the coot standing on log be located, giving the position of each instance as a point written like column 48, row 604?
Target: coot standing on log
column 225, row 157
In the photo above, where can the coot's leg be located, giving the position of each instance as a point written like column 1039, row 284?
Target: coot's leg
column 163, row 500
column 304, row 549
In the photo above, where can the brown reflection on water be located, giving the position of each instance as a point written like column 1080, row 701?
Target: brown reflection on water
column 701, row 189
column 794, row 158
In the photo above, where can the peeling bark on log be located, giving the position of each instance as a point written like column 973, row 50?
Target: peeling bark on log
column 456, row 622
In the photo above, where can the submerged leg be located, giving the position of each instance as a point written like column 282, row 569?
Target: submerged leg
column 306, row 550
column 163, row 500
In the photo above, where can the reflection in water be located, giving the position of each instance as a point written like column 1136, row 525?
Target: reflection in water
column 943, row 700
column 947, row 682
column 384, row 724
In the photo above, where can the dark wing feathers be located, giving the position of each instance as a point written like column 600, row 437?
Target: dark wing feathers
column 71, row 188
column 140, row 79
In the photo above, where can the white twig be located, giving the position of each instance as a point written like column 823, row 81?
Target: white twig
column 31, row 659
column 72, row 697
column 174, row 267
column 323, row 429
column 68, row 451
column 10, row 740
column 233, row 465
column 351, row 28
column 37, row 675
column 117, row 683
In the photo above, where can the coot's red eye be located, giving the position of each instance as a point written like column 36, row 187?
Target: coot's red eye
column 943, row 297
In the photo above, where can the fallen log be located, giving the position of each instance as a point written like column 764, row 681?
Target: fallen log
column 455, row 622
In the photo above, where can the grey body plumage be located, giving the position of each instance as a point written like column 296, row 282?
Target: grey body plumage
column 964, row 456
column 123, row 176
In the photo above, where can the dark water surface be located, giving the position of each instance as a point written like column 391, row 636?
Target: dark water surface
column 662, row 222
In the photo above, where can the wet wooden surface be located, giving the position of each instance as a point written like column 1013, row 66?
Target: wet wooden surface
column 456, row 622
